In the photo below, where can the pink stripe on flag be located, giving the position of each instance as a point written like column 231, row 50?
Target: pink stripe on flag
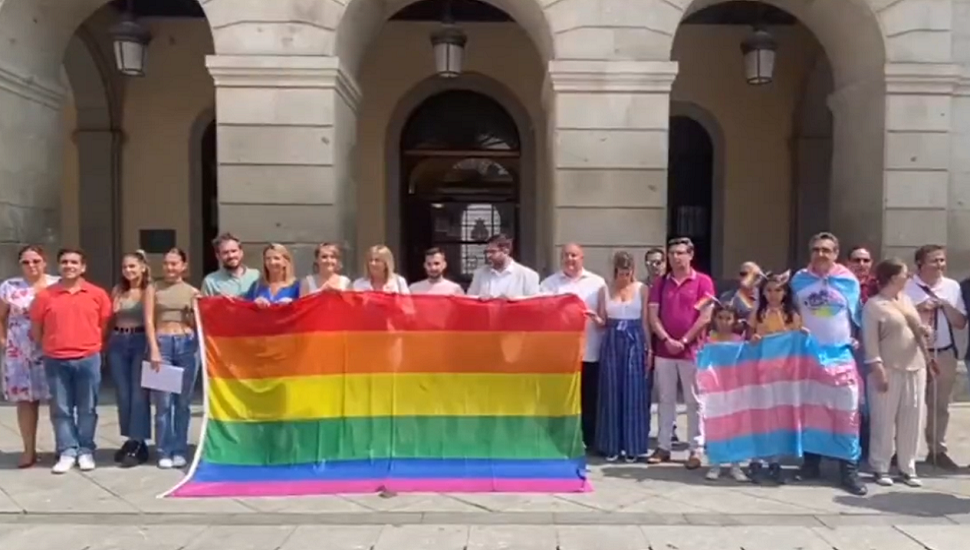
column 763, row 421
column 760, row 373
column 310, row 487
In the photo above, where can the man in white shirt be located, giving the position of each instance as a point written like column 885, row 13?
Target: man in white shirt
column 436, row 283
column 503, row 277
column 575, row 280
column 940, row 304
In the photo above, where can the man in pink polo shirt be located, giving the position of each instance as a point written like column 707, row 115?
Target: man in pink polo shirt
column 678, row 324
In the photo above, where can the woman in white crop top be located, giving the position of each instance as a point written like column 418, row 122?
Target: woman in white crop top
column 326, row 271
column 623, row 405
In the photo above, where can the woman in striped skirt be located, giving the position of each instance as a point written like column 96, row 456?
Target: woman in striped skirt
column 623, row 422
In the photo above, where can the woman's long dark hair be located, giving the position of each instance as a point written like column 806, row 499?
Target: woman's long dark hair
column 146, row 274
column 787, row 303
column 720, row 307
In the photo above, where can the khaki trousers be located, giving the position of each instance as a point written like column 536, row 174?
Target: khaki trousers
column 938, row 410
column 895, row 419
column 667, row 372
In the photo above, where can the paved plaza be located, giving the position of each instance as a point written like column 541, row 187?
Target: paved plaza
column 632, row 508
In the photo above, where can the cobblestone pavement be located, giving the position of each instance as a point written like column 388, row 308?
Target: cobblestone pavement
column 631, row 508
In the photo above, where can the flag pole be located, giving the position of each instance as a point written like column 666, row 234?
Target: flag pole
column 936, row 396
column 934, row 372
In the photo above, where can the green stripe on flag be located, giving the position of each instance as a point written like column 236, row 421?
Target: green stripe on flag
column 301, row 442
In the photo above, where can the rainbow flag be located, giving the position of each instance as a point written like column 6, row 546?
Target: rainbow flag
column 365, row 392
column 784, row 396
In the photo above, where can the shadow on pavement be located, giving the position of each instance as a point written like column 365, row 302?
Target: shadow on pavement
column 918, row 503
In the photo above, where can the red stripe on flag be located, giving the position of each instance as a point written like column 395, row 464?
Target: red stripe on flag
column 376, row 311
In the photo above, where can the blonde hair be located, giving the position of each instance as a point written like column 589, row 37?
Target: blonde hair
column 333, row 248
column 288, row 277
column 385, row 255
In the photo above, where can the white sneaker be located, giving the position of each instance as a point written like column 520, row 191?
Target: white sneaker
column 178, row 461
column 737, row 474
column 911, row 480
column 85, row 462
column 64, row 464
column 883, row 480
column 165, row 463
column 714, row 473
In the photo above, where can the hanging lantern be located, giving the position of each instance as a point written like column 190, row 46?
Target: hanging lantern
column 449, row 50
column 131, row 45
column 759, row 57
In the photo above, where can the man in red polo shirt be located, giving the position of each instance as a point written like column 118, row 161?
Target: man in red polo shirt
column 678, row 322
column 69, row 319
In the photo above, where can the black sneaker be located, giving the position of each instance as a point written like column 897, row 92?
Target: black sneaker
column 125, row 449
column 136, row 456
column 808, row 473
column 854, row 486
column 756, row 473
column 142, row 453
column 776, row 474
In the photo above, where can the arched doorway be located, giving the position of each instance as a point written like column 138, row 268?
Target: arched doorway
column 461, row 158
column 690, row 196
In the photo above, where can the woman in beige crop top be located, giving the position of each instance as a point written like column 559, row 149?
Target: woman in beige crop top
column 170, row 324
column 894, row 339
column 126, row 351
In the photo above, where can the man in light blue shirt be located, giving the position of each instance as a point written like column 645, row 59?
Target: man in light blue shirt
column 234, row 278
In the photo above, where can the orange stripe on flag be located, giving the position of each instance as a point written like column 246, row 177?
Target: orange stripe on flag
column 326, row 353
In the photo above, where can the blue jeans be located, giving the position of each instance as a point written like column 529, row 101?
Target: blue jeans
column 74, row 385
column 172, row 413
column 126, row 351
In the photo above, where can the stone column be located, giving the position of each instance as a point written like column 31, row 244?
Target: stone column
column 31, row 153
column 856, row 212
column 98, row 203
column 958, row 196
column 918, row 118
column 608, row 123
column 286, row 137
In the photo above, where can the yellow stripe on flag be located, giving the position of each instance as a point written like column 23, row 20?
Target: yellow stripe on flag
column 363, row 395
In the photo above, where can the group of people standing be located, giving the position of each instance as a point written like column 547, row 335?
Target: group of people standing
column 55, row 330
column 642, row 337
column 899, row 325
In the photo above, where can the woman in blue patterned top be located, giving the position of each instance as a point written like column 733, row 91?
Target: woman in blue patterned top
column 277, row 285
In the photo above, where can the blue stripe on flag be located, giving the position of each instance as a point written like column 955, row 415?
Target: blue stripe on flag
column 398, row 468
column 771, row 348
column 784, row 443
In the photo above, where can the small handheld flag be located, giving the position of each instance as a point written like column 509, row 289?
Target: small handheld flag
column 752, row 278
column 706, row 301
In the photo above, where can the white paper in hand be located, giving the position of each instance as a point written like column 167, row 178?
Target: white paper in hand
column 167, row 378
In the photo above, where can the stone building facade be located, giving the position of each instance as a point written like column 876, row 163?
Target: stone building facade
column 287, row 121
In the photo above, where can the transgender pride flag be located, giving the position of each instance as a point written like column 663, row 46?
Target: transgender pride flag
column 784, row 396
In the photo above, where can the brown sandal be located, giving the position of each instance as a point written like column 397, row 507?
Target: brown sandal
column 27, row 461
column 693, row 462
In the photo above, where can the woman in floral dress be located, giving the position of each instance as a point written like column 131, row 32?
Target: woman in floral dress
column 24, row 382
